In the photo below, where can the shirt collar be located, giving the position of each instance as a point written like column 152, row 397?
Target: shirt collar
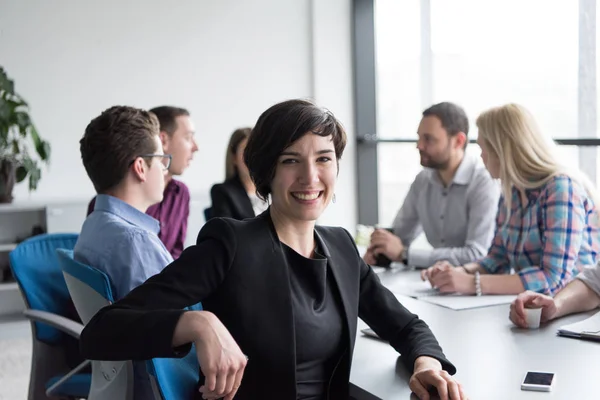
column 127, row 212
column 463, row 174
column 172, row 186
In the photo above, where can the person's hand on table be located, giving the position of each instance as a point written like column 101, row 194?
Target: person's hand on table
column 428, row 374
column 449, row 279
column 533, row 300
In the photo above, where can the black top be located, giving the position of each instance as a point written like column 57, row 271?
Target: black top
column 229, row 199
column 318, row 323
column 238, row 270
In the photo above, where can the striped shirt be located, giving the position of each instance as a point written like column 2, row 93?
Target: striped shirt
column 549, row 240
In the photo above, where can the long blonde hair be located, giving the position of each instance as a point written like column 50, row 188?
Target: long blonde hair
column 237, row 137
column 527, row 158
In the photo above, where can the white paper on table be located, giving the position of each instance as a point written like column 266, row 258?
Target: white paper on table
column 422, row 290
column 464, row 302
column 414, row 289
column 589, row 328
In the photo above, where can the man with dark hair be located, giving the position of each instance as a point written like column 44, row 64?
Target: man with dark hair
column 177, row 138
column 123, row 155
column 453, row 199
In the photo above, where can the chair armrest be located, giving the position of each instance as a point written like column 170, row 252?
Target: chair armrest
column 59, row 322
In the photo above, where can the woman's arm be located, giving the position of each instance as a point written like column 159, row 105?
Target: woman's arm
column 380, row 309
column 142, row 325
column 449, row 279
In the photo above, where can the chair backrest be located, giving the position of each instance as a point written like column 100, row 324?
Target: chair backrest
column 174, row 378
column 90, row 288
column 35, row 267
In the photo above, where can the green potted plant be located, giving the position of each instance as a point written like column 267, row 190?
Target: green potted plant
column 17, row 137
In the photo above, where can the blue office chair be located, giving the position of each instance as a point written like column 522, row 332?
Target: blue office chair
column 35, row 267
column 91, row 290
column 174, row 378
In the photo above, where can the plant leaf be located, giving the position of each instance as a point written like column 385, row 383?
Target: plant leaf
column 16, row 127
column 15, row 146
column 5, row 110
column 34, row 177
column 41, row 147
column 24, row 122
column 21, row 174
column 44, row 151
column 6, row 85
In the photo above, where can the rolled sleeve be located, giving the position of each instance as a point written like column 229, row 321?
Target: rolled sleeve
column 494, row 265
column 535, row 279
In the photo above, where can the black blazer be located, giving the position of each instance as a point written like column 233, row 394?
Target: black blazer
column 238, row 271
column 229, row 199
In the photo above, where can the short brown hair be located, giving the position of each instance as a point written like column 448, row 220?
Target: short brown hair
column 237, row 137
column 278, row 128
column 452, row 116
column 167, row 117
column 113, row 140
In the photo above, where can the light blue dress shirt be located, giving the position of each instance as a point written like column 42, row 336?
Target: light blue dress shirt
column 123, row 242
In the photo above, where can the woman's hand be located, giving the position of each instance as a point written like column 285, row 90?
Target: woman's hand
column 221, row 359
column 428, row 374
column 449, row 279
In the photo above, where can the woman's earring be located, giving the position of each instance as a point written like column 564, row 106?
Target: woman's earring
column 333, row 200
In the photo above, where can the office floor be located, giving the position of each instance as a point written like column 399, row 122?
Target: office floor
column 15, row 358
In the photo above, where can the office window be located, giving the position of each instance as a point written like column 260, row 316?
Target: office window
column 481, row 54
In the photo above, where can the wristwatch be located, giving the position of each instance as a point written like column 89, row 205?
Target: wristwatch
column 404, row 256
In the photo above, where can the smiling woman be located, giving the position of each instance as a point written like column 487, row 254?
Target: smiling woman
column 297, row 166
column 304, row 285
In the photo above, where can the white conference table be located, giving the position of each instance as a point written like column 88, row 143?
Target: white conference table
column 489, row 352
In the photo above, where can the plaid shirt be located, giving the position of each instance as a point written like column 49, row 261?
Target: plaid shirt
column 548, row 240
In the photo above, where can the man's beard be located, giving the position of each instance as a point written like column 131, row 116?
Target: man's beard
column 437, row 164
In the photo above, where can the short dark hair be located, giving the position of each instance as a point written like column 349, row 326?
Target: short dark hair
column 278, row 128
column 113, row 140
column 453, row 117
column 167, row 117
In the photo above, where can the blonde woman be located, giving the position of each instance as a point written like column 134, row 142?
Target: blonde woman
column 547, row 222
column 236, row 197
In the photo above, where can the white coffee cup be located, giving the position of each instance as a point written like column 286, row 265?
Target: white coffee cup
column 533, row 317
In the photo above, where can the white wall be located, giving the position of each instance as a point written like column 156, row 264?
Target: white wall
column 226, row 61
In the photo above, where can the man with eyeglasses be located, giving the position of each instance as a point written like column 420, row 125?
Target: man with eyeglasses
column 177, row 138
column 123, row 155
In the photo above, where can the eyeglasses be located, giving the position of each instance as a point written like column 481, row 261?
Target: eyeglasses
column 165, row 159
